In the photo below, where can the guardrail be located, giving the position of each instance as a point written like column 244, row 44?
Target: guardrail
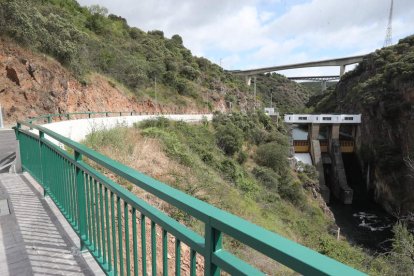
column 112, row 222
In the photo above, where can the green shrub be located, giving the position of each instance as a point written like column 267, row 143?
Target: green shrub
column 160, row 122
column 242, row 157
column 229, row 168
column 291, row 190
column 267, row 177
column 402, row 253
column 229, row 138
column 274, row 156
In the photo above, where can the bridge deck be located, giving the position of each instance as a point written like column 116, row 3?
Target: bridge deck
column 35, row 239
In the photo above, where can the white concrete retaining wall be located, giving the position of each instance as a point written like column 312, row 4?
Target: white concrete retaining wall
column 77, row 130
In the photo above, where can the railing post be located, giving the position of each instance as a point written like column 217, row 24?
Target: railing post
column 42, row 160
column 80, row 186
column 49, row 119
column 68, row 116
column 213, row 241
column 89, row 115
column 16, row 130
column 107, row 114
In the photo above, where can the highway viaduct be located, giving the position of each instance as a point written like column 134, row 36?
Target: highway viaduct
column 322, row 79
column 341, row 62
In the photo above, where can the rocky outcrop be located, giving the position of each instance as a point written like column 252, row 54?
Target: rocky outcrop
column 381, row 88
column 32, row 84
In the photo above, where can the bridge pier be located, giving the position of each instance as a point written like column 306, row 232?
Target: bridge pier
column 248, row 80
column 323, row 85
column 339, row 185
column 342, row 69
column 313, row 131
column 316, row 155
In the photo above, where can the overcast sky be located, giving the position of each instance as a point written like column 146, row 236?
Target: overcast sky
column 245, row 34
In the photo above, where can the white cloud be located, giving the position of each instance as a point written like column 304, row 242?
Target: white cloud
column 248, row 34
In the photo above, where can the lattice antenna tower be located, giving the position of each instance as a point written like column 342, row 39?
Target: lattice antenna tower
column 388, row 34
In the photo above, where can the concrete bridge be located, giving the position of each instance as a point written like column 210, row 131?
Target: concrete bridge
column 316, row 78
column 328, row 149
column 322, row 79
column 341, row 62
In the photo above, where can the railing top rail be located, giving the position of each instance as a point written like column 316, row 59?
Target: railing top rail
column 282, row 250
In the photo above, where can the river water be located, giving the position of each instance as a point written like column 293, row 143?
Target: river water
column 364, row 222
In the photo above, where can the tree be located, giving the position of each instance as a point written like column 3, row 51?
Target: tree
column 274, row 156
column 229, row 138
column 99, row 10
column 402, row 253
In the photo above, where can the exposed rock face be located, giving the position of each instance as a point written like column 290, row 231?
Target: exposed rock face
column 381, row 88
column 33, row 84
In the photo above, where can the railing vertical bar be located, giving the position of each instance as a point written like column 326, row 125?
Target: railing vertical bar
column 93, row 212
column 64, row 190
column 93, row 216
column 153, row 248
column 213, row 243
column 50, row 169
column 177, row 257
column 143, row 245
column 37, row 169
column 73, row 190
column 55, row 176
column 60, row 184
column 80, row 183
column 127, row 255
column 58, row 178
column 88, row 208
column 108, row 229
column 121, row 251
column 64, row 186
column 134, row 241
column 164, row 252
column 114, row 233
column 193, row 262
column 70, row 191
column 97, row 219
column 102, row 221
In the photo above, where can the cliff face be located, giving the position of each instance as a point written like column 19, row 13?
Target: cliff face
column 381, row 88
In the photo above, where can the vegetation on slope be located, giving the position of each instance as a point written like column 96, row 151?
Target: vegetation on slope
column 237, row 163
column 286, row 95
column 89, row 40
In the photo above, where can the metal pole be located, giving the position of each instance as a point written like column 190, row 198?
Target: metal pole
column 254, row 93
column 271, row 100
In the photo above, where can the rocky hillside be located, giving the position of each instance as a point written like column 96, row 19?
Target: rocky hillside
column 32, row 84
column 381, row 88
column 57, row 56
column 287, row 96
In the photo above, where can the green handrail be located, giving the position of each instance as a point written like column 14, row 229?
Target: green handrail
column 106, row 216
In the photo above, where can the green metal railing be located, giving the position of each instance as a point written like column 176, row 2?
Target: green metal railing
column 121, row 230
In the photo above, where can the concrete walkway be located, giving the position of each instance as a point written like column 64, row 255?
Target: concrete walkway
column 35, row 238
